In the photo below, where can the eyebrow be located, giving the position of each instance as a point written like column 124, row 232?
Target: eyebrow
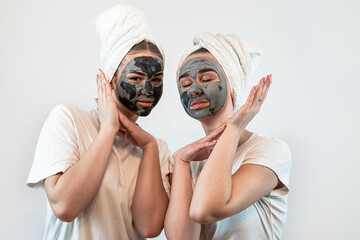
column 203, row 70
column 138, row 72
column 187, row 74
column 158, row 74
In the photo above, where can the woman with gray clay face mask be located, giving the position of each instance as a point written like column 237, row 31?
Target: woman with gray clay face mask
column 240, row 190
column 104, row 176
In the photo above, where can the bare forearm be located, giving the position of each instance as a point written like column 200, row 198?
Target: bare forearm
column 150, row 199
column 178, row 224
column 214, row 186
column 73, row 190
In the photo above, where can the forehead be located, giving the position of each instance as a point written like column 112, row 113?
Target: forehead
column 197, row 62
column 147, row 62
column 139, row 53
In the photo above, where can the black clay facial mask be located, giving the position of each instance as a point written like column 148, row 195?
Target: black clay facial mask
column 142, row 89
column 201, row 96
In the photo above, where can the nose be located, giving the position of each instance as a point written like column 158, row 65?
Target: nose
column 147, row 89
column 195, row 92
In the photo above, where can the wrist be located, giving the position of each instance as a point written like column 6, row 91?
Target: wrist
column 235, row 128
column 107, row 132
column 180, row 161
column 151, row 144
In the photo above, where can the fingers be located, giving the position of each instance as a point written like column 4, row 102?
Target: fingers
column 251, row 96
column 263, row 88
column 121, row 134
column 129, row 126
column 214, row 134
column 96, row 100
column 103, row 87
column 124, row 121
column 102, row 74
column 98, row 83
column 264, row 91
column 267, row 87
column 200, row 146
column 258, row 92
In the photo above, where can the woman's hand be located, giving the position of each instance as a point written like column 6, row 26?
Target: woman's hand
column 134, row 134
column 108, row 112
column 253, row 103
column 200, row 149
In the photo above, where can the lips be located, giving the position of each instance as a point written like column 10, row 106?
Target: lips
column 145, row 102
column 197, row 104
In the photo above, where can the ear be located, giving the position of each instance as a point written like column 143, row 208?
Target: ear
column 112, row 85
column 113, row 81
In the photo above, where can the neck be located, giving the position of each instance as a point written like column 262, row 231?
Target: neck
column 129, row 114
column 211, row 123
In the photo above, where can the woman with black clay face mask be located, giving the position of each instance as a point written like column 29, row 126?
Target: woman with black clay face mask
column 240, row 190
column 104, row 176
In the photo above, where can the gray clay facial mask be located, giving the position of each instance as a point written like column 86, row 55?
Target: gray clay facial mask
column 198, row 98
column 143, row 96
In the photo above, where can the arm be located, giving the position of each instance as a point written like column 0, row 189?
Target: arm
column 150, row 200
column 218, row 194
column 178, row 224
column 69, row 193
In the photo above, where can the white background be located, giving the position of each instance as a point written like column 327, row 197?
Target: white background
column 49, row 53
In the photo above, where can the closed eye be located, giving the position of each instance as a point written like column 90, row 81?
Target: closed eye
column 208, row 77
column 186, row 82
column 206, row 80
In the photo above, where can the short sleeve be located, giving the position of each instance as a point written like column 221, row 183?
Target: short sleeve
column 172, row 161
column 164, row 164
column 275, row 155
column 57, row 148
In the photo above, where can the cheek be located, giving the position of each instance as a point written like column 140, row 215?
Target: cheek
column 185, row 98
column 128, row 88
column 216, row 93
column 158, row 92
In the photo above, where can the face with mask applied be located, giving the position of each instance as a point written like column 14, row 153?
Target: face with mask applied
column 202, row 87
column 140, row 84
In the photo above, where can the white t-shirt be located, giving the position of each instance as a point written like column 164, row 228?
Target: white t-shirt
column 264, row 219
column 64, row 139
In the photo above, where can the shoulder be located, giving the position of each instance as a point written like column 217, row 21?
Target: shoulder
column 269, row 145
column 64, row 112
column 269, row 151
column 59, row 115
column 162, row 145
column 274, row 154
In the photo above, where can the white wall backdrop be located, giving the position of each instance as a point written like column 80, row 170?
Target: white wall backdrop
column 49, row 53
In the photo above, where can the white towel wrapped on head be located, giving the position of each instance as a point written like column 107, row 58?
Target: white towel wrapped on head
column 237, row 58
column 120, row 28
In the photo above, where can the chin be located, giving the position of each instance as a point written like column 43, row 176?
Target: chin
column 145, row 113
